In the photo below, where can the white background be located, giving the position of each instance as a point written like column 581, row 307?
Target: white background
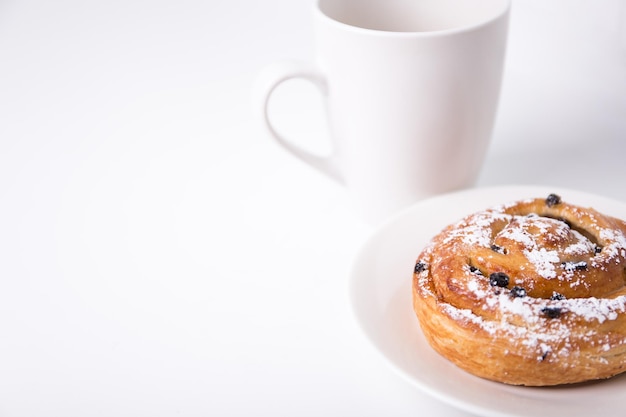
column 160, row 256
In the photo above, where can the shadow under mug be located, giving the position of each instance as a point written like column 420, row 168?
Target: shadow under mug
column 411, row 90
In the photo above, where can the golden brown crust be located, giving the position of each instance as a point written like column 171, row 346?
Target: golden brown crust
column 531, row 293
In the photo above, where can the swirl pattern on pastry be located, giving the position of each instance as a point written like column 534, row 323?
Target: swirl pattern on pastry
column 529, row 293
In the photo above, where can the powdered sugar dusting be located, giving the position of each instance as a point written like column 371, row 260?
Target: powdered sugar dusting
column 583, row 245
column 558, row 253
column 478, row 232
column 522, row 319
column 599, row 309
column 618, row 239
column 544, row 261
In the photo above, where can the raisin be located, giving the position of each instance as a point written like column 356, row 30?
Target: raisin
column 557, row 296
column 553, row 200
column 574, row 266
column 518, row 292
column 498, row 249
column 551, row 312
column 499, row 279
column 420, row 267
column 475, row 270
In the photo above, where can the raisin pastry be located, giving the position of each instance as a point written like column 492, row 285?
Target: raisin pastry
column 530, row 293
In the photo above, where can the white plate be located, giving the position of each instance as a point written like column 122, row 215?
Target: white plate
column 380, row 289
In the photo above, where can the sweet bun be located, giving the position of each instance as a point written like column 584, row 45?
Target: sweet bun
column 529, row 293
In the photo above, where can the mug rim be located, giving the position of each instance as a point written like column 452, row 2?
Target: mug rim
column 505, row 9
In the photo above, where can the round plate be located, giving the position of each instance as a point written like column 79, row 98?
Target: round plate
column 380, row 289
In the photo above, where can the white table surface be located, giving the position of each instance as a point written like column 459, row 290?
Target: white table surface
column 160, row 256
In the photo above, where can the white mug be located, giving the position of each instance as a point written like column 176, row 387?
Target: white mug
column 411, row 89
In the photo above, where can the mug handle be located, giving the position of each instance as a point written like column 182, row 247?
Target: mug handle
column 271, row 77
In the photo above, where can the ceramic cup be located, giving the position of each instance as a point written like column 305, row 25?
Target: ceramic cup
column 411, row 89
